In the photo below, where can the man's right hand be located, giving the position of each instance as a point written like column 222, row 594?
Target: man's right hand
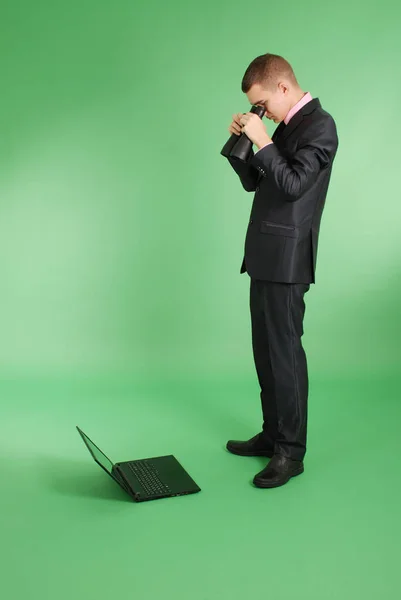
column 235, row 126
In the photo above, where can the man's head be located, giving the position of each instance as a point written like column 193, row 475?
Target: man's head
column 269, row 81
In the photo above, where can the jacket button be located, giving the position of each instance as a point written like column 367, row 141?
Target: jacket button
column 257, row 189
column 251, row 221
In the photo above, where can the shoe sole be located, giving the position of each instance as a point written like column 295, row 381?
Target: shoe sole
column 273, row 485
column 255, row 453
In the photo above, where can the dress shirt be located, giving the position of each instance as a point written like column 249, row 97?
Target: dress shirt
column 304, row 100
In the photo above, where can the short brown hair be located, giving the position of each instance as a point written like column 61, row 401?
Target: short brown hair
column 267, row 70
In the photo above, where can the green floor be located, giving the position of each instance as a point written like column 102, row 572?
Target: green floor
column 68, row 532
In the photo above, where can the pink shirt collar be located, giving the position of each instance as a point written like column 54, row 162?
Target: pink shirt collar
column 304, row 100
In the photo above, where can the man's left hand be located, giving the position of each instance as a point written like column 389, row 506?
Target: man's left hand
column 255, row 129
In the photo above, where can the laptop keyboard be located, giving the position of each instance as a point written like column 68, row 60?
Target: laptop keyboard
column 148, row 477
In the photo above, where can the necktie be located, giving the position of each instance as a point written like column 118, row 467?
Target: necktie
column 278, row 131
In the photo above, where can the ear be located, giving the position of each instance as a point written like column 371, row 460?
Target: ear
column 283, row 87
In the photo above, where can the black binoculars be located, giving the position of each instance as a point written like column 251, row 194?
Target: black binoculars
column 240, row 146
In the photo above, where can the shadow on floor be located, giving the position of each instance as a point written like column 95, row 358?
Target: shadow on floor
column 75, row 478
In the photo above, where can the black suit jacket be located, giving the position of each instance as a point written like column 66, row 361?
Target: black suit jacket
column 290, row 179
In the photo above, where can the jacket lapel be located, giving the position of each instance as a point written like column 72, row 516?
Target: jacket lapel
column 296, row 120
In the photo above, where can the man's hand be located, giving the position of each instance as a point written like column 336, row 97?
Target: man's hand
column 255, row 129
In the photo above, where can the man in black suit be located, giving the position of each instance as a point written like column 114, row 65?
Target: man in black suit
column 289, row 175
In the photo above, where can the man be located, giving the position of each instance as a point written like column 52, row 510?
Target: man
column 289, row 174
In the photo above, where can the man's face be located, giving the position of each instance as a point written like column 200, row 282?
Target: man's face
column 275, row 102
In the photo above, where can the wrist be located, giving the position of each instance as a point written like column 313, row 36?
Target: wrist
column 262, row 142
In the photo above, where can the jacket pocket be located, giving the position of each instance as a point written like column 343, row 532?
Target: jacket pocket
column 278, row 229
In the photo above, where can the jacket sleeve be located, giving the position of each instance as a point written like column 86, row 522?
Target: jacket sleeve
column 247, row 172
column 294, row 175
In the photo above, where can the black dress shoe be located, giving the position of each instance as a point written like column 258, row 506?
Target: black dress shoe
column 256, row 446
column 279, row 470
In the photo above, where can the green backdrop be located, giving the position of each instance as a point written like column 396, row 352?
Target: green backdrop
column 122, row 308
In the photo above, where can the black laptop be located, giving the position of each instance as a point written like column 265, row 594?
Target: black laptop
column 147, row 478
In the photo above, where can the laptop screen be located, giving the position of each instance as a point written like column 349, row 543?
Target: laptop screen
column 96, row 453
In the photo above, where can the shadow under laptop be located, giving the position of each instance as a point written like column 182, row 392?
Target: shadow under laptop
column 76, row 478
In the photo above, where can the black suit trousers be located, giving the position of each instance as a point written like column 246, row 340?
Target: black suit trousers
column 277, row 312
